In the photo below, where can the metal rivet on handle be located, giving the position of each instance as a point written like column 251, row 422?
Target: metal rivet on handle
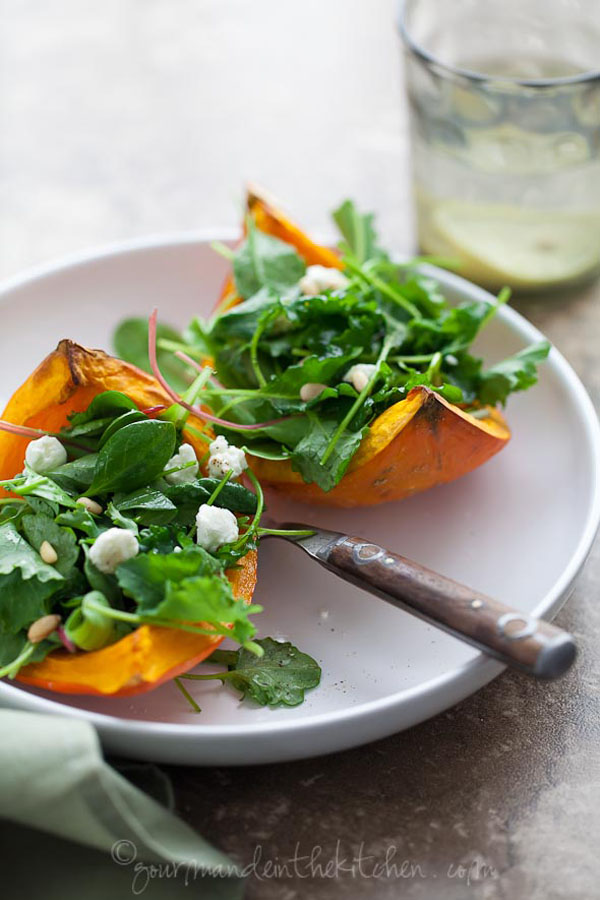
column 365, row 553
column 529, row 626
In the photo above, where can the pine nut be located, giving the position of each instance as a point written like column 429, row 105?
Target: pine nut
column 48, row 553
column 92, row 507
column 42, row 628
column 360, row 381
column 310, row 390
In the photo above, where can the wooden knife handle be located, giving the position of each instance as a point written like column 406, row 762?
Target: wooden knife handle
column 519, row 640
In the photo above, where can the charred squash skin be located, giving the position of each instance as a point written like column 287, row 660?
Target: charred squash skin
column 414, row 445
column 65, row 382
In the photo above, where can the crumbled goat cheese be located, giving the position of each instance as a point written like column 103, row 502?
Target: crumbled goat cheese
column 224, row 458
column 359, row 374
column 112, row 548
column 321, row 278
column 45, row 454
column 185, row 454
column 215, row 527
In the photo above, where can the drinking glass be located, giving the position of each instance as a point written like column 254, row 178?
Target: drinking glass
column 504, row 99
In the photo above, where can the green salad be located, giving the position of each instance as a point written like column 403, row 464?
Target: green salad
column 313, row 355
column 111, row 525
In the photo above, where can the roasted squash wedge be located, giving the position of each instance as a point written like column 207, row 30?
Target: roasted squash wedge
column 414, row 445
column 65, row 382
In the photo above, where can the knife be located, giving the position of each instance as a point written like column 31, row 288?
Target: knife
column 515, row 638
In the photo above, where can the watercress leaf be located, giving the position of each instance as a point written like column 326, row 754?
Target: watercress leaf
column 39, row 528
column 280, row 677
column 134, row 456
column 516, row 373
column 160, row 538
column 130, row 341
column 265, row 261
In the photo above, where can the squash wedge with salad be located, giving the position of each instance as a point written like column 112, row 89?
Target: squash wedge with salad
column 105, row 589
column 347, row 378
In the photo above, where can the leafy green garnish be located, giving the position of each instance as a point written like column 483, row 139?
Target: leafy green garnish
column 280, row 677
column 131, row 343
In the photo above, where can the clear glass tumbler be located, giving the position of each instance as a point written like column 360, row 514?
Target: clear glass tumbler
column 504, row 102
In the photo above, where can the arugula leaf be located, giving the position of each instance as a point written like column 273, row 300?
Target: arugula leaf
column 22, row 602
column 130, row 341
column 134, row 456
column 145, row 578
column 16, row 553
column 265, row 261
column 307, row 455
column 80, row 519
column 516, row 373
column 279, row 677
column 209, row 599
column 358, row 232
column 39, row 528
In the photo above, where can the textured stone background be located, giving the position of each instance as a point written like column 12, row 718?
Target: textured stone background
column 130, row 117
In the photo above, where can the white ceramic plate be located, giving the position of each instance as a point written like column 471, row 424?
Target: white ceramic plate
column 519, row 528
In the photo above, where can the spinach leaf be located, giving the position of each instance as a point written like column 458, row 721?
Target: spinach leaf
column 189, row 497
column 265, row 261
column 134, row 456
column 77, row 475
column 39, row 528
column 128, row 418
column 149, row 505
column 130, row 341
column 278, row 678
column 106, row 405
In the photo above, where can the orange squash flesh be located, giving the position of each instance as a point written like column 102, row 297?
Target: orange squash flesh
column 414, row 445
column 65, row 382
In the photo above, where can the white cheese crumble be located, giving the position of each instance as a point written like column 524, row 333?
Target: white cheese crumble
column 321, row 278
column 185, row 454
column 359, row 375
column 45, row 454
column 224, row 458
column 113, row 547
column 215, row 527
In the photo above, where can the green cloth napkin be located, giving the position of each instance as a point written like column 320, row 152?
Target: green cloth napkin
column 54, row 779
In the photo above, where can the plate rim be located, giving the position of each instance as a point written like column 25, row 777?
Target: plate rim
column 478, row 670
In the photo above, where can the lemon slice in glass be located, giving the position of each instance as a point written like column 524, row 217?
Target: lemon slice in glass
column 525, row 249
